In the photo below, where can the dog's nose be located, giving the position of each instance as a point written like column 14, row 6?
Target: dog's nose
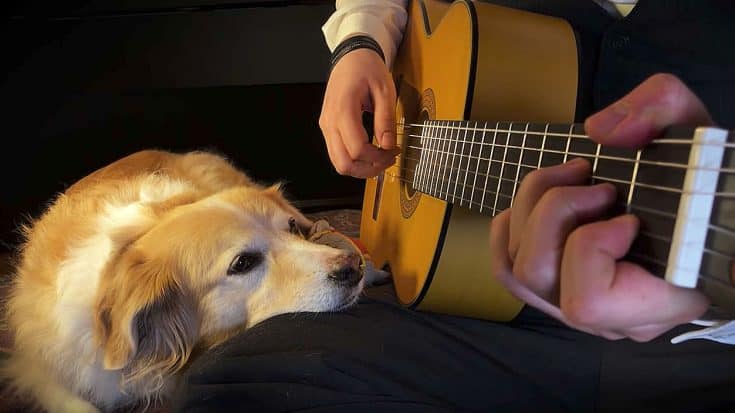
column 349, row 273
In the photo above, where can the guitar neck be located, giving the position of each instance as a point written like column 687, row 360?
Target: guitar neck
column 479, row 165
column 671, row 184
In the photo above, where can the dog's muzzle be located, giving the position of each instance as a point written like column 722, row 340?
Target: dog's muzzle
column 349, row 273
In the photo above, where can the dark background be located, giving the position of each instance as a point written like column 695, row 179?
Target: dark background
column 87, row 82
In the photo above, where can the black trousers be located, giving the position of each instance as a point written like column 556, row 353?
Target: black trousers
column 379, row 356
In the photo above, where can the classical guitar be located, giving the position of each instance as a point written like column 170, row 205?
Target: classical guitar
column 487, row 94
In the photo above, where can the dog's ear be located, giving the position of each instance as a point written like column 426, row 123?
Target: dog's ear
column 146, row 321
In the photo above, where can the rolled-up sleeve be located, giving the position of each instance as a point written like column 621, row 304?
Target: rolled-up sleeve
column 383, row 20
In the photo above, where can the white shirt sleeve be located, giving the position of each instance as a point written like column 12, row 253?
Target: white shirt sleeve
column 383, row 20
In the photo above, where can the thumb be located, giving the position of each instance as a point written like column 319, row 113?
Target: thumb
column 660, row 101
column 385, row 116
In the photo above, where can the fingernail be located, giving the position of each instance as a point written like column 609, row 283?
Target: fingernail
column 385, row 138
column 575, row 163
column 605, row 121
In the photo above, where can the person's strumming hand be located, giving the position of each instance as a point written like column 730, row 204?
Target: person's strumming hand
column 359, row 82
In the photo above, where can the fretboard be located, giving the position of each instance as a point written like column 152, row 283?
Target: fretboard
column 479, row 166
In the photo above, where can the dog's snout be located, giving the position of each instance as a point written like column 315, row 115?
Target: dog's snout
column 348, row 273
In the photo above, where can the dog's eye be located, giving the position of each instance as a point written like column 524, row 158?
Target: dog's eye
column 244, row 263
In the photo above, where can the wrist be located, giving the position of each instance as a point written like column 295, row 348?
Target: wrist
column 351, row 44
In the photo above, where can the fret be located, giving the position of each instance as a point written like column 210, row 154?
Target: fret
column 426, row 140
column 459, row 153
column 533, row 150
column 518, row 167
column 543, row 146
column 447, row 169
column 496, row 163
column 428, row 151
column 457, row 159
column 631, row 189
column 416, row 179
column 438, row 156
column 409, row 163
column 467, row 167
column 489, row 163
column 462, row 152
column 418, row 173
column 597, row 158
column 510, row 163
column 569, row 138
column 430, row 165
column 434, row 157
column 474, row 164
column 454, row 170
column 619, row 173
column 484, row 155
column 443, row 154
column 499, row 204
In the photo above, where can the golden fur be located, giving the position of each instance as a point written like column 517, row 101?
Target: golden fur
column 136, row 266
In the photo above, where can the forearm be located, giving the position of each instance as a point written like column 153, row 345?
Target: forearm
column 383, row 20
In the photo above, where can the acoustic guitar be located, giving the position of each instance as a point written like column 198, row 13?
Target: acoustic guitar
column 487, row 94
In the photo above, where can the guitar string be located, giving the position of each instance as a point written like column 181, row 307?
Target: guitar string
column 673, row 141
column 580, row 154
column 662, row 238
column 634, row 161
column 725, row 194
column 720, row 229
column 461, row 200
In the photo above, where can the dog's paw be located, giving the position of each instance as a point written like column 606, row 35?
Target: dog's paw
column 374, row 276
column 320, row 226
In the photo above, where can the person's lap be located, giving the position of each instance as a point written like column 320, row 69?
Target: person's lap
column 380, row 356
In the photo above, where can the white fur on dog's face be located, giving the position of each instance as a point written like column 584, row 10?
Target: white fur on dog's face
column 246, row 264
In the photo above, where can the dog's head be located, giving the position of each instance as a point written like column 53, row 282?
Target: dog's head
column 198, row 271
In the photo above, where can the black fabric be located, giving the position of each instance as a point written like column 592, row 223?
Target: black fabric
column 380, row 357
column 692, row 39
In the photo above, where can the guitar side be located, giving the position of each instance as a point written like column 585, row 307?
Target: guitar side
column 466, row 60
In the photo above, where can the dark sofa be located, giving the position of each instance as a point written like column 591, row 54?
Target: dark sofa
column 87, row 82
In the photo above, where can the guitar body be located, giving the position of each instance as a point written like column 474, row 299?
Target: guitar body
column 464, row 60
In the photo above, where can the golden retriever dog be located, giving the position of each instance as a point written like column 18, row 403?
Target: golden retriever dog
column 149, row 259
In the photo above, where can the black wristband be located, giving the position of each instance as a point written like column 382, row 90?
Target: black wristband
column 354, row 43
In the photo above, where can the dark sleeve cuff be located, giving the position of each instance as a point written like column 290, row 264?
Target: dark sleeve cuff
column 354, row 43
